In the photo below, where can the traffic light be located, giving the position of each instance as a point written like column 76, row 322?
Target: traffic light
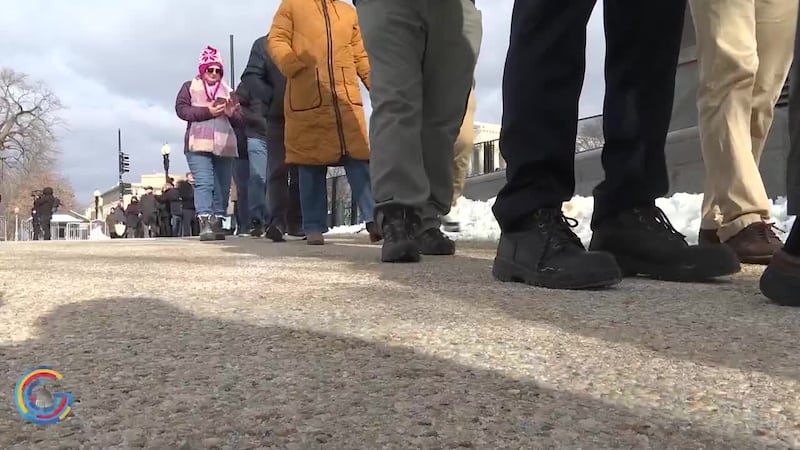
column 124, row 163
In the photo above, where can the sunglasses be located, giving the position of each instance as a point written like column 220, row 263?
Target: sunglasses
column 213, row 70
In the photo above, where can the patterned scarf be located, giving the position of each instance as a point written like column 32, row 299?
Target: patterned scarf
column 215, row 135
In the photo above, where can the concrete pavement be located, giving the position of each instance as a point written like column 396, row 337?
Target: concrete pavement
column 249, row 344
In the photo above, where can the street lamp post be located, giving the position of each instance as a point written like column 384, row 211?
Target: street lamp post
column 16, row 223
column 165, row 154
column 97, row 195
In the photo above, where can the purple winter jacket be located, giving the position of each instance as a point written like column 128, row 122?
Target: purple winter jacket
column 189, row 113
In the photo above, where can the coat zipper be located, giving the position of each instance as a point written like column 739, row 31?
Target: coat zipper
column 339, row 125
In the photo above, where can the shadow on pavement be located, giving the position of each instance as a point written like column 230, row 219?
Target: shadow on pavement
column 725, row 323
column 148, row 375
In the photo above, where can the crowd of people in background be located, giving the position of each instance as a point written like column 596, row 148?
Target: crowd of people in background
column 168, row 214
column 298, row 111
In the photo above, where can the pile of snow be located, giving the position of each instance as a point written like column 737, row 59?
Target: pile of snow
column 97, row 234
column 683, row 210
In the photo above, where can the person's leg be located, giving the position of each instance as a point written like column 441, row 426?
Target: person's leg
column 728, row 61
column 542, row 82
column 257, row 185
column 241, row 176
column 202, row 167
column 294, row 215
column 395, row 34
column 223, row 173
column 186, row 221
column 450, row 56
column 314, row 202
column 462, row 151
column 46, row 228
column 776, row 26
column 781, row 281
column 277, row 178
column 358, row 178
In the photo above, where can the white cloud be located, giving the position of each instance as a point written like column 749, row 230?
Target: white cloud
column 120, row 65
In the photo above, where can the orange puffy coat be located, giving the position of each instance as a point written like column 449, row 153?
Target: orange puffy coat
column 317, row 45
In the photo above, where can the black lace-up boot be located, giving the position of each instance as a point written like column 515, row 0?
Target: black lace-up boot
column 544, row 251
column 399, row 229
column 644, row 242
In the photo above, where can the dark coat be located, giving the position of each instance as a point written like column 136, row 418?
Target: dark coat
column 46, row 205
column 148, row 205
column 172, row 198
column 261, row 92
column 186, row 191
column 793, row 163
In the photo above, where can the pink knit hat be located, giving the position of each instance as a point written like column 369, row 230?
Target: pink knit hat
column 210, row 57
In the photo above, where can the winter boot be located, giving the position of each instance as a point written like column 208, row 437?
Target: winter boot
column 433, row 242
column 315, row 239
column 374, row 232
column 543, row 251
column 206, row 230
column 216, row 225
column 644, row 242
column 256, row 229
column 275, row 234
column 400, row 225
column 781, row 281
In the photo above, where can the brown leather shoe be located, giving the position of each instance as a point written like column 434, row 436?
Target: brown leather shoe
column 756, row 243
column 781, row 281
column 707, row 237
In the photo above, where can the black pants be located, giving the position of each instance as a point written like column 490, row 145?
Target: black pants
column 188, row 216
column 542, row 84
column 44, row 222
column 793, row 163
column 283, row 191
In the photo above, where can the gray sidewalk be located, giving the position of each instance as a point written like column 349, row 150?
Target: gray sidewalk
column 249, row 344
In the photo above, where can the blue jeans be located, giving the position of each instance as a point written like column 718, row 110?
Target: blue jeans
column 314, row 193
column 176, row 222
column 257, row 186
column 212, row 183
column 241, row 176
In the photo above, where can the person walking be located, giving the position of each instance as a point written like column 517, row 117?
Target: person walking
column 780, row 282
column 189, row 215
column 423, row 55
column 261, row 93
column 316, row 45
column 743, row 61
column 133, row 219
column 542, row 83
column 149, row 207
column 206, row 104
column 46, row 205
column 241, row 181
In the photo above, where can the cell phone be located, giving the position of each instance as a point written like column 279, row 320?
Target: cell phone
column 220, row 101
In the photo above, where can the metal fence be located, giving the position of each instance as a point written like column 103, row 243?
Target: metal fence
column 72, row 231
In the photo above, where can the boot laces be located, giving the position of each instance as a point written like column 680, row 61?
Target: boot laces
column 766, row 232
column 558, row 229
column 657, row 220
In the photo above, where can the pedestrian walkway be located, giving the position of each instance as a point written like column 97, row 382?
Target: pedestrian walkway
column 250, row 344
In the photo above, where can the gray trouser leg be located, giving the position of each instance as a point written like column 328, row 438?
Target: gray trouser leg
column 416, row 46
column 448, row 70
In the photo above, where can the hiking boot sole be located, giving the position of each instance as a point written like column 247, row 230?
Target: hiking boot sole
column 761, row 260
column 603, row 277
column 681, row 273
column 401, row 252
column 207, row 237
column 780, row 287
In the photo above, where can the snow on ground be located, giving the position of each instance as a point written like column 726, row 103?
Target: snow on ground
column 683, row 210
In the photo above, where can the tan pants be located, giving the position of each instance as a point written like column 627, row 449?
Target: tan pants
column 462, row 151
column 744, row 50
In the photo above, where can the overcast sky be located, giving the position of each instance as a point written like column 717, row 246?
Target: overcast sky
column 120, row 64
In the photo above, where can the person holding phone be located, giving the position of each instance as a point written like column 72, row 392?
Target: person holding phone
column 210, row 110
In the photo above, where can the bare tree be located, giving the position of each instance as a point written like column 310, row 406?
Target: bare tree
column 28, row 119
